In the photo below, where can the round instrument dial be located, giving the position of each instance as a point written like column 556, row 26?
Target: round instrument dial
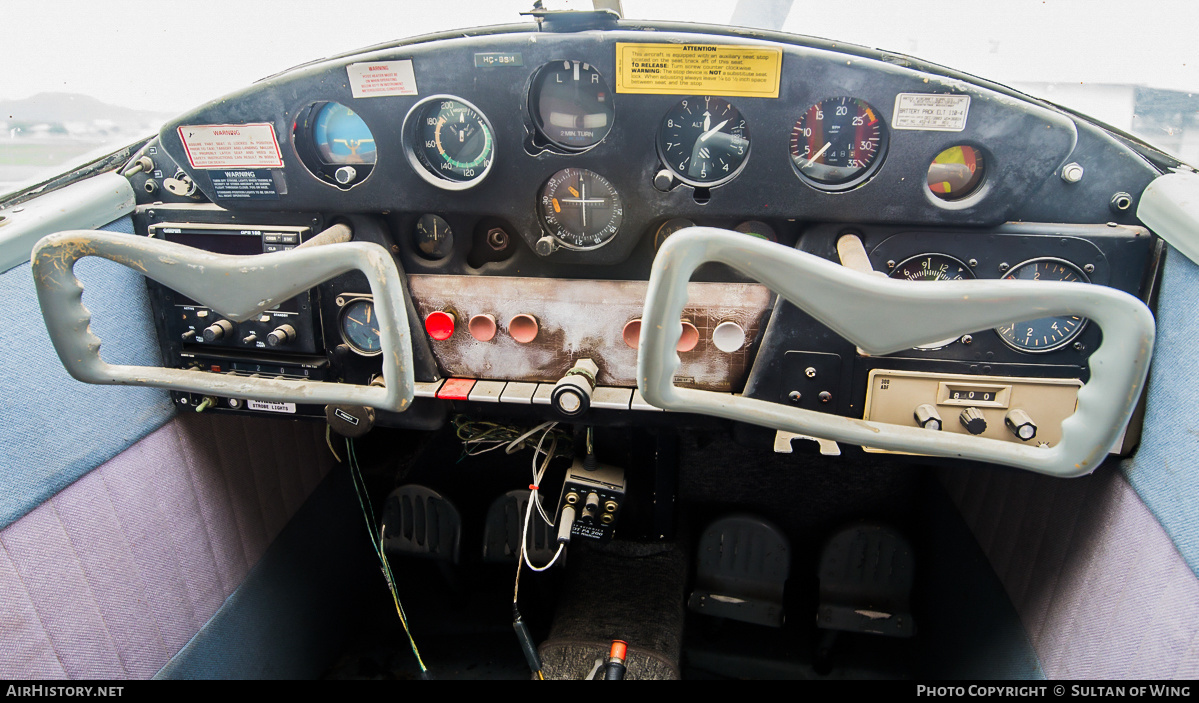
column 360, row 327
column 1046, row 333
column 933, row 267
column 704, row 141
column 449, row 142
column 571, row 104
column 341, row 137
column 956, row 172
column 838, row 143
column 580, row 208
column 668, row 228
column 433, row 237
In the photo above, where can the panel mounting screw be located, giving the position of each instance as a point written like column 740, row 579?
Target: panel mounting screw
column 810, row 372
column 972, row 263
column 890, row 263
column 967, row 339
column 1080, row 347
column 794, row 396
column 1089, row 268
column 1004, row 267
column 1072, row 172
column 825, row 396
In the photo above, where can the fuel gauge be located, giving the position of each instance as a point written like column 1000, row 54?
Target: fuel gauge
column 433, row 237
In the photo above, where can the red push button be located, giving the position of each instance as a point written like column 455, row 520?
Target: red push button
column 439, row 325
column 689, row 338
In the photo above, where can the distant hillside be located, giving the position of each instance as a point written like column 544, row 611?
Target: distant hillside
column 73, row 107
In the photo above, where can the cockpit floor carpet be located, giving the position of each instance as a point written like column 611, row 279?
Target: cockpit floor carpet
column 623, row 590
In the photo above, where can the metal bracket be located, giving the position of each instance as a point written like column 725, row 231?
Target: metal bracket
column 882, row 316
column 239, row 287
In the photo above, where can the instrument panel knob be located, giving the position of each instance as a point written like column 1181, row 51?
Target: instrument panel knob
column 1021, row 424
column 281, row 335
column 218, row 330
column 972, row 419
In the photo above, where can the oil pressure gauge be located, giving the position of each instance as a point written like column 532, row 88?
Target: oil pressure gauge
column 580, row 209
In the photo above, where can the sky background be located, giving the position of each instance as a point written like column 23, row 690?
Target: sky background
column 172, row 56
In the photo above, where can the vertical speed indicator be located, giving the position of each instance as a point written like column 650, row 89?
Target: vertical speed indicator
column 838, row 143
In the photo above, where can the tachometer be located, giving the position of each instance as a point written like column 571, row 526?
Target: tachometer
column 580, row 208
column 838, row 143
column 449, row 142
column 571, row 104
column 704, row 141
column 1045, row 333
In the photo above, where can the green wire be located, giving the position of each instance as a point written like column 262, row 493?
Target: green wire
column 368, row 514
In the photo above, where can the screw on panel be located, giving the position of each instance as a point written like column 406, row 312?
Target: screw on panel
column 1080, row 347
column 794, row 396
column 825, row 396
column 1089, row 268
column 890, row 263
column 972, row 263
column 810, row 372
column 1004, row 267
column 967, row 339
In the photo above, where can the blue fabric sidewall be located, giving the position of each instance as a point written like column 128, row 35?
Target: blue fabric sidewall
column 57, row 429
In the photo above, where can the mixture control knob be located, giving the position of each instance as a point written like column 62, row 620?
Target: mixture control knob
column 1020, row 424
column 281, row 335
column 218, row 330
column 571, row 395
column 927, row 417
column 972, row 419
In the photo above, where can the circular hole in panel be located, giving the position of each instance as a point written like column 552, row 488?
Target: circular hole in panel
column 956, row 172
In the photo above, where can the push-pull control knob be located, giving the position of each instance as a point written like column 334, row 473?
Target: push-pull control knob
column 927, row 417
column 572, row 393
column 218, row 330
column 972, row 419
column 1020, row 424
column 281, row 335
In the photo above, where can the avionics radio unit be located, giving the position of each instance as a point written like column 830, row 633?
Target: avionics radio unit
column 288, row 328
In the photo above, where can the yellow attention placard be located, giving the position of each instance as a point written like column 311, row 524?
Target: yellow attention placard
column 692, row 69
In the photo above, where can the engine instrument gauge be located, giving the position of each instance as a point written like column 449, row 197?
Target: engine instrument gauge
column 759, row 229
column 433, row 237
column 571, row 104
column 580, row 209
column 359, row 327
column 838, row 143
column 704, row 141
column 932, row 267
column 668, row 228
column 449, row 142
column 956, row 172
column 1046, row 333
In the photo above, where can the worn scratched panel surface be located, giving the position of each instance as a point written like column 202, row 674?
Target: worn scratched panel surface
column 584, row 319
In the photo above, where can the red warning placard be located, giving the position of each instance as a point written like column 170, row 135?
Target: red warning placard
column 231, row 145
column 379, row 79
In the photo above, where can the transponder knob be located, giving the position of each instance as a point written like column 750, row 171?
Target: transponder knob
column 281, row 335
column 972, row 419
column 218, row 330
